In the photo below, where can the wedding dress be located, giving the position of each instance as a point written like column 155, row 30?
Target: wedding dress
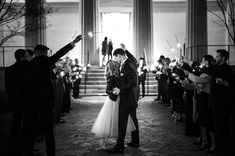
column 106, row 123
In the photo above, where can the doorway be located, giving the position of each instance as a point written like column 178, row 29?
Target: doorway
column 118, row 28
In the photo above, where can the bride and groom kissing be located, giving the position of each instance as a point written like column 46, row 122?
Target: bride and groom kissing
column 118, row 113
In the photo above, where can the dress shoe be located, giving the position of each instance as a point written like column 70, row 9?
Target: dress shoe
column 116, row 150
column 131, row 144
column 157, row 99
column 38, row 139
column 197, row 142
column 213, row 148
column 204, row 146
column 61, row 121
column 37, row 154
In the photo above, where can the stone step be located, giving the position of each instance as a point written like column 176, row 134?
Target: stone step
column 103, row 87
column 94, row 75
column 95, row 83
column 104, row 91
column 104, row 94
column 102, row 74
column 99, row 93
column 104, row 83
column 104, row 79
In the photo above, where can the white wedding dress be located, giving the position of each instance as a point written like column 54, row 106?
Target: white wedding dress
column 106, row 123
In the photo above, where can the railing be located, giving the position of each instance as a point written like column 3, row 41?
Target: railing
column 7, row 57
column 210, row 48
column 85, row 78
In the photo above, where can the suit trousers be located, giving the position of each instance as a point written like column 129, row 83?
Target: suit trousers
column 29, row 130
column 122, row 126
column 143, row 87
column 15, row 145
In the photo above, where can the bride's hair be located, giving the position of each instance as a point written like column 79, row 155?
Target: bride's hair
column 111, row 68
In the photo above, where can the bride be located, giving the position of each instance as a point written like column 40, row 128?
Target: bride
column 106, row 123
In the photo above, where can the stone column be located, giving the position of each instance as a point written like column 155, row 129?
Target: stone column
column 89, row 23
column 196, row 35
column 35, row 23
column 143, row 29
column 229, row 40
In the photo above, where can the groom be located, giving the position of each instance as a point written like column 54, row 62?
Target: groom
column 128, row 101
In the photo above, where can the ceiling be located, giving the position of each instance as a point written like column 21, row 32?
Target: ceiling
column 108, row 0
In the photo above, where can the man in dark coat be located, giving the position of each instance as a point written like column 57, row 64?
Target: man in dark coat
column 14, row 76
column 221, row 100
column 128, row 101
column 40, row 96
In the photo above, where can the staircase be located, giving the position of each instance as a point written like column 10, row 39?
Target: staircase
column 93, row 82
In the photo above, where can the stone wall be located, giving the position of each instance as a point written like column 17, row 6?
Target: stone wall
column 169, row 20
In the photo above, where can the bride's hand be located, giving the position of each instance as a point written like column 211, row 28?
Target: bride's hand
column 116, row 91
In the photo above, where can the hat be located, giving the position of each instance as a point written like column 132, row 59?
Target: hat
column 41, row 47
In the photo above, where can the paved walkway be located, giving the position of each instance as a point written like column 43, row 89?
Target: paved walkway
column 159, row 136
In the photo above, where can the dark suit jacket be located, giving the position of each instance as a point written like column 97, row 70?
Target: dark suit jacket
column 14, row 82
column 221, row 97
column 134, row 62
column 128, row 83
column 40, row 85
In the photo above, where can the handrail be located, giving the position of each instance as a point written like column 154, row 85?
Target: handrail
column 86, row 76
column 212, row 45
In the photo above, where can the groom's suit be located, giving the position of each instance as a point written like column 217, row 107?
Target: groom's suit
column 128, row 102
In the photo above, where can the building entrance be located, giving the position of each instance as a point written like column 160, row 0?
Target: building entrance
column 118, row 28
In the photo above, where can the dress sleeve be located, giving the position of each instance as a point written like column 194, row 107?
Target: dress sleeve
column 110, row 84
column 202, row 79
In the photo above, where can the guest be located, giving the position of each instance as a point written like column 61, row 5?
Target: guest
column 222, row 94
column 14, row 82
column 142, row 70
column 67, row 85
column 110, row 49
column 40, row 97
column 31, row 54
column 59, row 92
column 191, row 122
column 76, row 77
column 204, row 111
column 166, row 73
column 159, row 78
column 104, row 49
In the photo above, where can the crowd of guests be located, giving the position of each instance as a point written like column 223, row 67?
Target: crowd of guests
column 67, row 75
column 201, row 94
column 38, row 88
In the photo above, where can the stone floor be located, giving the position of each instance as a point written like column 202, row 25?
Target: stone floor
column 159, row 136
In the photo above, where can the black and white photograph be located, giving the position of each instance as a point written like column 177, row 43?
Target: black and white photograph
column 117, row 77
